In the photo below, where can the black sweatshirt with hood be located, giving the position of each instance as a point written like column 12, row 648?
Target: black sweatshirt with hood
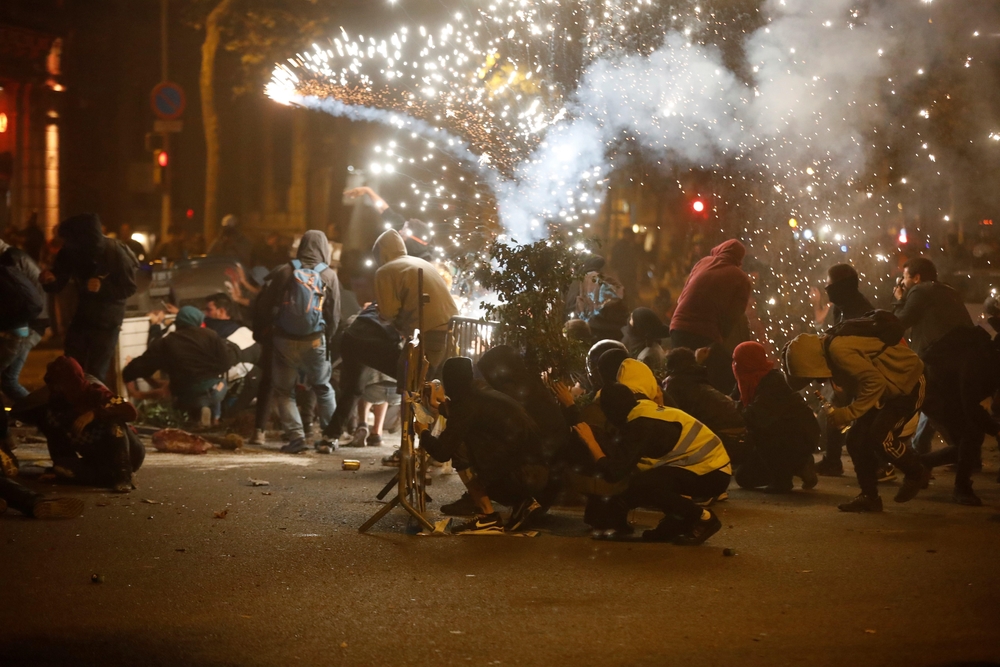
column 87, row 254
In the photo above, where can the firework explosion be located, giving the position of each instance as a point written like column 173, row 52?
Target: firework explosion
column 520, row 111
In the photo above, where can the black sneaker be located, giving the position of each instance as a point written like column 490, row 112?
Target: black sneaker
column 522, row 513
column 461, row 507
column 701, row 531
column 668, row 530
column 326, row 447
column 57, row 508
column 967, row 497
column 484, row 524
column 296, row 446
column 862, row 503
column 359, row 438
column 830, row 467
column 374, row 440
column 912, row 484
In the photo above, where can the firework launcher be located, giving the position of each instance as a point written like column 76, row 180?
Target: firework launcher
column 411, row 480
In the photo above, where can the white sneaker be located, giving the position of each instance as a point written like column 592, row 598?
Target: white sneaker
column 258, row 437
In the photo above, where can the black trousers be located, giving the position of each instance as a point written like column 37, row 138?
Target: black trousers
column 875, row 436
column 668, row 489
column 720, row 361
column 263, row 411
column 93, row 348
column 358, row 349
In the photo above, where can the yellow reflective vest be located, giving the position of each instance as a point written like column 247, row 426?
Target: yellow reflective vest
column 698, row 449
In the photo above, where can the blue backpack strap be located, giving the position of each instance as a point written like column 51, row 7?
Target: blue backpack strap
column 296, row 264
column 320, row 268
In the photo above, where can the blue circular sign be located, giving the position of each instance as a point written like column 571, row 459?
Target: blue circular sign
column 168, row 100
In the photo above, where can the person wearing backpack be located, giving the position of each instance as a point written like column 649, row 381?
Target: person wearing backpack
column 104, row 272
column 943, row 334
column 883, row 387
column 298, row 313
column 19, row 294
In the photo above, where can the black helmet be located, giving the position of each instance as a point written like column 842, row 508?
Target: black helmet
column 594, row 355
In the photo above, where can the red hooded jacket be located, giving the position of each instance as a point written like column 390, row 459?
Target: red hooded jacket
column 715, row 295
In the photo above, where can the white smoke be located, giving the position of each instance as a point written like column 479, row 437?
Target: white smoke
column 814, row 67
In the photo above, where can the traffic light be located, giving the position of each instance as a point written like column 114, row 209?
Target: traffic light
column 161, row 157
column 698, row 206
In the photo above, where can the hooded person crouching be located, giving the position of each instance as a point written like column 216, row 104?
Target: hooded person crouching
column 494, row 445
column 86, row 427
column 882, row 387
column 196, row 360
column 668, row 458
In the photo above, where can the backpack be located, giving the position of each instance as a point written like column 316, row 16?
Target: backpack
column 22, row 301
column 301, row 309
column 879, row 324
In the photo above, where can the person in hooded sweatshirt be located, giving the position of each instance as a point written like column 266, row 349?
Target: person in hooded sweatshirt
column 494, row 445
column 848, row 303
column 711, row 306
column 398, row 304
column 782, row 430
column 18, row 343
column 104, row 272
column 195, row 358
column 300, row 334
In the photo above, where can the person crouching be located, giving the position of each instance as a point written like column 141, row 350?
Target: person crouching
column 668, row 457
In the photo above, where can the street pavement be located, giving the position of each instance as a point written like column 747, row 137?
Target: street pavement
column 286, row 579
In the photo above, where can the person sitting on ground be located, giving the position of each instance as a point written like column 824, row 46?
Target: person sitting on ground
column 882, row 388
column 668, row 458
column 495, row 447
column 638, row 377
column 196, row 361
column 19, row 497
column 782, row 430
column 687, row 388
column 86, row 427
column 643, row 336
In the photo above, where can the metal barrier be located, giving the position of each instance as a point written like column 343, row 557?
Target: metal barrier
column 471, row 338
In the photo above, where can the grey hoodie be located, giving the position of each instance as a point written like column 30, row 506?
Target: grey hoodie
column 396, row 288
column 314, row 248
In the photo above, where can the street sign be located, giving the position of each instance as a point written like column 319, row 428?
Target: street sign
column 161, row 126
column 168, row 100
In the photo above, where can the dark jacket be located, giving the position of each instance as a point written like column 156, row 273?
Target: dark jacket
column 715, row 296
column 189, row 356
column 639, row 438
column 689, row 390
column 87, row 254
column 22, row 263
column 499, row 437
column 779, row 423
column 848, row 302
column 930, row 310
column 314, row 248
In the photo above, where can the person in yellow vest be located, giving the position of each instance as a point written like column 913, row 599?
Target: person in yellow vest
column 668, row 457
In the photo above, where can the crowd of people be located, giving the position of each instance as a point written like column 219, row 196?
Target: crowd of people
column 666, row 416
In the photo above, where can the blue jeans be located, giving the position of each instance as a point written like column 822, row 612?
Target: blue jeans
column 10, row 377
column 210, row 397
column 308, row 357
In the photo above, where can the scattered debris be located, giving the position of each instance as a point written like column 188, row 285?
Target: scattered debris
column 351, row 464
column 258, row 482
column 728, row 552
column 265, row 493
column 181, row 550
column 932, row 551
column 176, row 441
column 97, row 578
column 151, row 502
column 869, row 632
column 222, row 514
column 343, row 644
column 230, row 441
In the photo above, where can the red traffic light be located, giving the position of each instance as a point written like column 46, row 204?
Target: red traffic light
column 698, row 206
column 162, row 158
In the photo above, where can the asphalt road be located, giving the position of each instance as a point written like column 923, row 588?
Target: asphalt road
column 285, row 578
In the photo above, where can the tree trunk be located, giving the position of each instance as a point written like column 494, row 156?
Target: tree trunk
column 209, row 117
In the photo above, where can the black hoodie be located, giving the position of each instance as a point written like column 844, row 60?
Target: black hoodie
column 314, row 248
column 87, row 254
column 848, row 302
